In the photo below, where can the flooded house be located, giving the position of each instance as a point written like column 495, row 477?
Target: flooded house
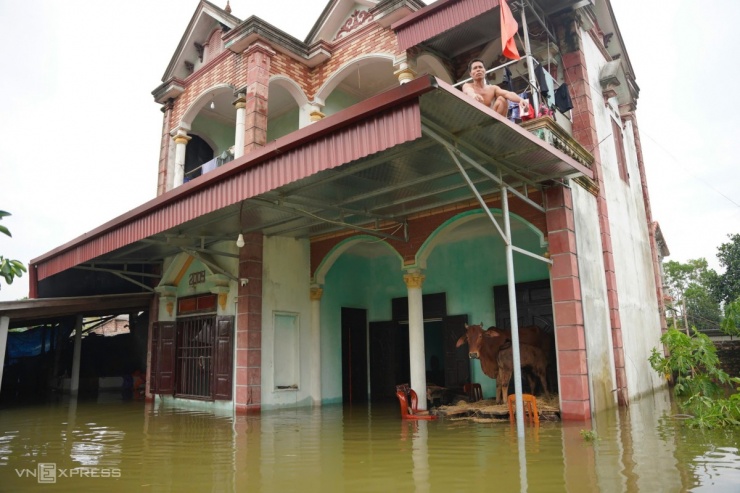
column 331, row 212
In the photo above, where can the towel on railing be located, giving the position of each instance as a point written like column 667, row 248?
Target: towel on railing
column 209, row 166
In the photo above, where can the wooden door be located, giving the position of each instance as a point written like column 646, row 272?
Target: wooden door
column 354, row 355
column 389, row 359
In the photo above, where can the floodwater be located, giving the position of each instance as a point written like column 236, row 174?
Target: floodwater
column 113, row 445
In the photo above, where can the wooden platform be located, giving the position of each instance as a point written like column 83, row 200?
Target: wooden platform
column 488, row 411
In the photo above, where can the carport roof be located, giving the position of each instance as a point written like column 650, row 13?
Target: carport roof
column 371, row 165
column 27, row 313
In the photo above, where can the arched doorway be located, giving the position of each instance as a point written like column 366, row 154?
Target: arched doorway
column 198, row 152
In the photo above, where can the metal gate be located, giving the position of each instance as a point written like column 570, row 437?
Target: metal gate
column 195, row 343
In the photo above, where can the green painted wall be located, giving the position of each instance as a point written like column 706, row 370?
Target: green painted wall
column 220, row 134
column 282, row 125
column 465, row 270
column 338, row 101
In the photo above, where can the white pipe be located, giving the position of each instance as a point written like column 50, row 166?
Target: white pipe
column 530, row 60
column 513, row 316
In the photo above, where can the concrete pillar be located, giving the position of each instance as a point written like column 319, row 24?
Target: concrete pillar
column 164, row 147
column 259, row 57
column 4, row 323
column 417, row 359
column 241, row 114
column 575, row 394
column 248, row 386
column 315, row 375
column 74, row 385
column 181, row 141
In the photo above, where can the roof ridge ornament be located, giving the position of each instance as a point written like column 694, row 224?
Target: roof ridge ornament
column 227, row 9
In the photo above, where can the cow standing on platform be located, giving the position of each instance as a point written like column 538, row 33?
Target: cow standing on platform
column 529, row 356
column 485, row 345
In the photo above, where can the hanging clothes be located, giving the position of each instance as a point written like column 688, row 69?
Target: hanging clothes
column 507, row 79
column 539, row 74
column 562, row 98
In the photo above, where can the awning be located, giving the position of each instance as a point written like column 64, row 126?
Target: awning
column 377, row 162
column 27, row 313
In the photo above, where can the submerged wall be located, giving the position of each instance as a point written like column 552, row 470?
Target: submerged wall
column 286, row 323
column 630, row 241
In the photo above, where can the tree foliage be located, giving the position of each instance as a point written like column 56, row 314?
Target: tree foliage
column 691, row 288
column 727, row 288
column 731, row 321
column 9, row 269
column 693, row 365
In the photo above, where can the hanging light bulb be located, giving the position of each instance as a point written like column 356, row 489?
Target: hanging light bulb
column 240, row 240
column 213, row 106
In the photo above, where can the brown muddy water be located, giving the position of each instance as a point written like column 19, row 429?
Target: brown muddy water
column 111, row 445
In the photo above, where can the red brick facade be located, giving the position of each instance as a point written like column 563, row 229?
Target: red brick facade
column 421, row 226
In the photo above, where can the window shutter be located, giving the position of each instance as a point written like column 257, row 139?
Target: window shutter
column 224, row 350
column 165, row 381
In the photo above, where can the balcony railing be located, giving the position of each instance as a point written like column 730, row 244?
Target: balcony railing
column 210, row 165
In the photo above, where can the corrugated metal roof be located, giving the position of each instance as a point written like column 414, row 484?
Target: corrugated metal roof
column 380, row 160
column 438, row 18
column 24, row 313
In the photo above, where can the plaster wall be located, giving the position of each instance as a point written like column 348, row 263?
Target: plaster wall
column 285, row 290
column 601, row 376
column 638, row 304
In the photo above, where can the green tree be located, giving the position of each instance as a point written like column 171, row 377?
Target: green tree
column 9, row 269
column 690, row 286
column 727, row 287
column 693, row 366
column 731, row 322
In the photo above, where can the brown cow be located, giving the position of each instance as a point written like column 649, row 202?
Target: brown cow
column 485, row 345
column 530, row 356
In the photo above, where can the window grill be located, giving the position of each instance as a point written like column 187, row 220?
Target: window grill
column 195, row 338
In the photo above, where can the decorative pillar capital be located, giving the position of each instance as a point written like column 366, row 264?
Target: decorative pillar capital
column 405, row 75
column 316, row 116
column 414, row 279
column 180, row 135
column 240, row 102
column 316, row 293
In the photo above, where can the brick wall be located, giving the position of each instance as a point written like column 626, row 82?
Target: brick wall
column 421, row 226
column 729, row 356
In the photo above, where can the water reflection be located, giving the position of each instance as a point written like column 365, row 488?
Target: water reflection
column 339, row 448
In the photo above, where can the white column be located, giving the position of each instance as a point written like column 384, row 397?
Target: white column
column 241, row 117
column 74, row 385
column 181, row 140
column 315, row 374
column 417, row 358
column 4, row 323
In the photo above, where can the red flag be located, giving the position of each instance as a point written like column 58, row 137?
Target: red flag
column 509, row 27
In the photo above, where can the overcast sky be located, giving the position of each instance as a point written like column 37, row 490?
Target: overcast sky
column 79, row 130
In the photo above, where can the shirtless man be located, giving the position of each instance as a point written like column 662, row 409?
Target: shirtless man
column 492, row 96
